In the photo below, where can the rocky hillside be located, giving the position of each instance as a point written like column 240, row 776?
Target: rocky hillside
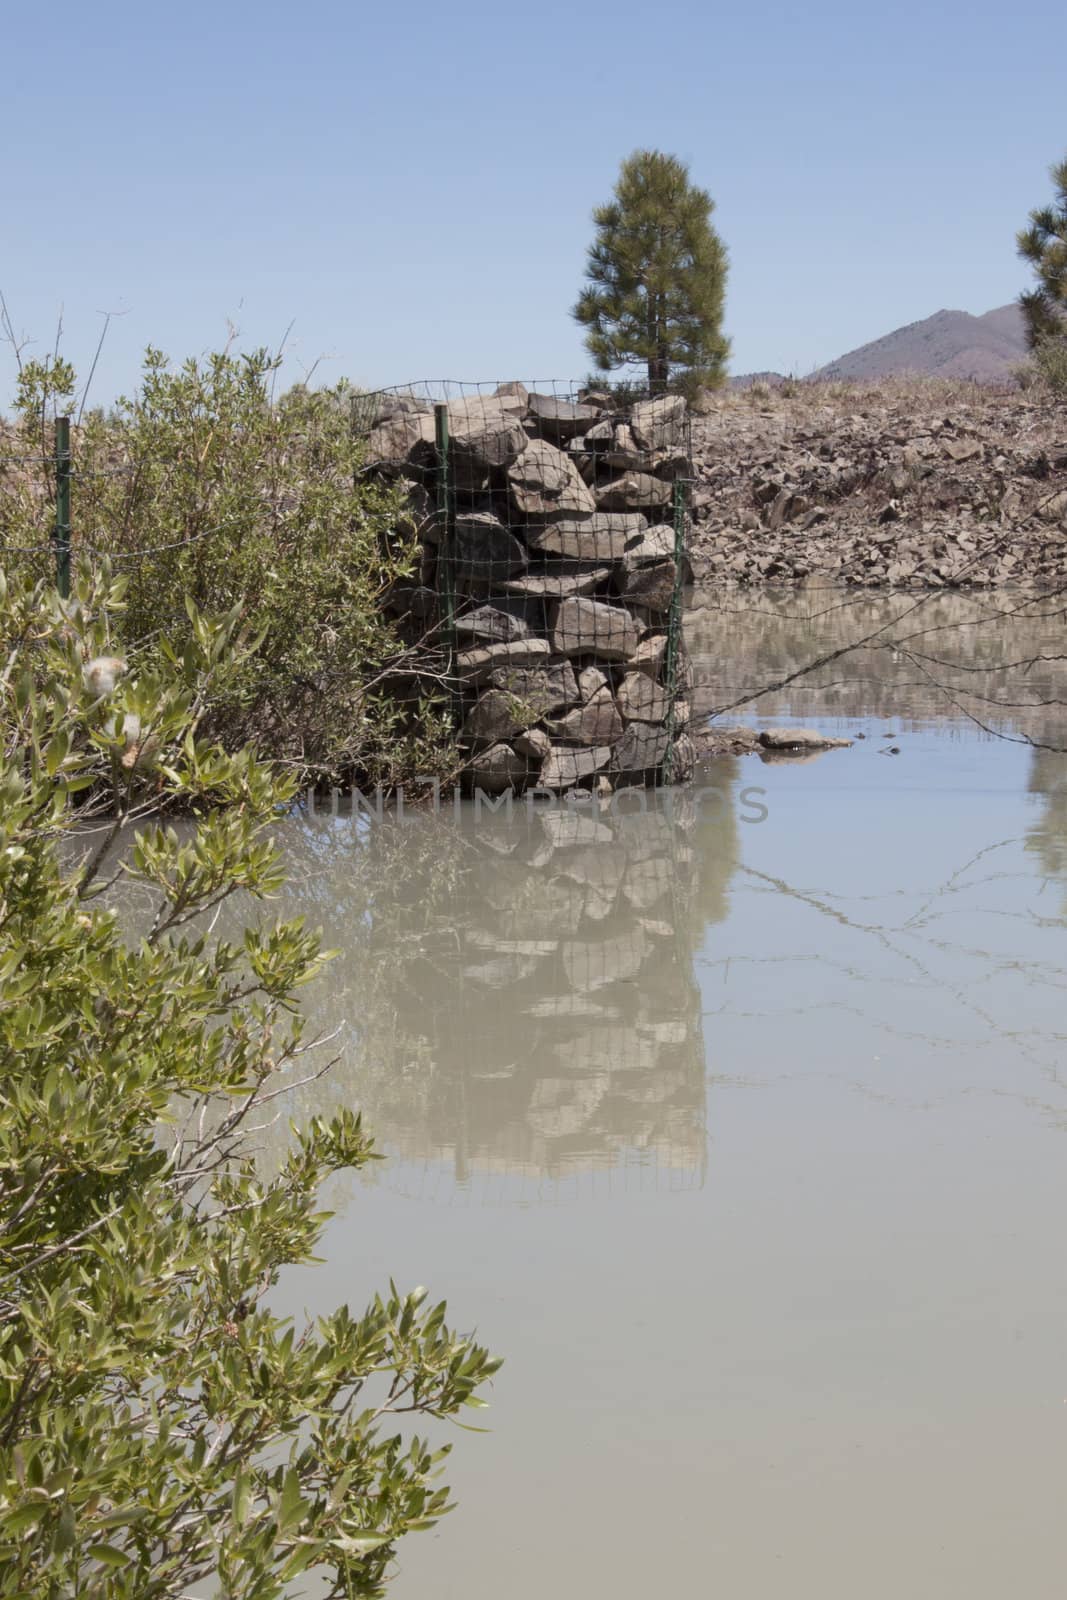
column 912, row 484
column 950, row 344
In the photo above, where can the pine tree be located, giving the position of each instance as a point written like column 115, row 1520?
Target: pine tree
column 656, row 277
column 1044, row 245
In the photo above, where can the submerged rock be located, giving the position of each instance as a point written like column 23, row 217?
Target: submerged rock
column 802, row 740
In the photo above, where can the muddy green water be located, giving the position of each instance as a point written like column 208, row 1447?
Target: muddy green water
column 738, row 1128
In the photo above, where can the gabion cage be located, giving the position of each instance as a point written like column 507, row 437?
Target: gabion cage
column 554, row 529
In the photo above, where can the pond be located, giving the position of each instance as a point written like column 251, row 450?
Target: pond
column 734, row 1119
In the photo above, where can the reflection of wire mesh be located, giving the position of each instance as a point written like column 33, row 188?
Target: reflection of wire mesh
column 524, row 1022
column 554, row 527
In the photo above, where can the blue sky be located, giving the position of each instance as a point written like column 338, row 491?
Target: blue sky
column 411, row 186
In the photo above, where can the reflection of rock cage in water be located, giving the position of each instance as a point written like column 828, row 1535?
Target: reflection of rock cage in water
column 553, row 528
column 526, row 1020
column 632, row 1173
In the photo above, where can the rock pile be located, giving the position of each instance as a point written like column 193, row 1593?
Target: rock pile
column 560, row 554
column 912, row 485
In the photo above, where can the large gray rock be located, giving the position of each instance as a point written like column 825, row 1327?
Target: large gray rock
column 588, row 627
column 484, row 550
column 382, row 407
column 544, row 485
column 491, row 624
column 591, row 680
column 498, row 768
column 634, row 491
column 534, row 743
column 604, row 536
column 546, row 688
column 659, row 423
column 419, row 509
column 601, row 436
column 486, row 433
column 559, row 583
column 656, row 544
column 475, row 666
column 411, row 600
column 641, row 748
column 800, row 739
column 514, row 394
column 497, row 715
column 405, row 439
column 650, row 655
column 560, row 419
column 564, row 767
column 596, row 723
column 642, row 699
column 624, row 454
column 651, row 544
column 651, row 588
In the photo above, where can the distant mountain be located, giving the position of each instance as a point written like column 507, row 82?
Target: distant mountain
column 950, row 344
column 745, row 380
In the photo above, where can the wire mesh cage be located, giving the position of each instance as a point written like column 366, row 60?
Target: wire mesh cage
column 554, row 527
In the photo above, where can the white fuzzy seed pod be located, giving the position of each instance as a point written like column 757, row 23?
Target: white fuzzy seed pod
column 102, row 673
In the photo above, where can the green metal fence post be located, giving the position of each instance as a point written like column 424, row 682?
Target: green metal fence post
column 446, row 513
column 674, row 618
column 62, row 533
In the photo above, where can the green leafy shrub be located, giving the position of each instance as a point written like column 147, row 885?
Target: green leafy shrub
column 205, row 486
column 160, row 1427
